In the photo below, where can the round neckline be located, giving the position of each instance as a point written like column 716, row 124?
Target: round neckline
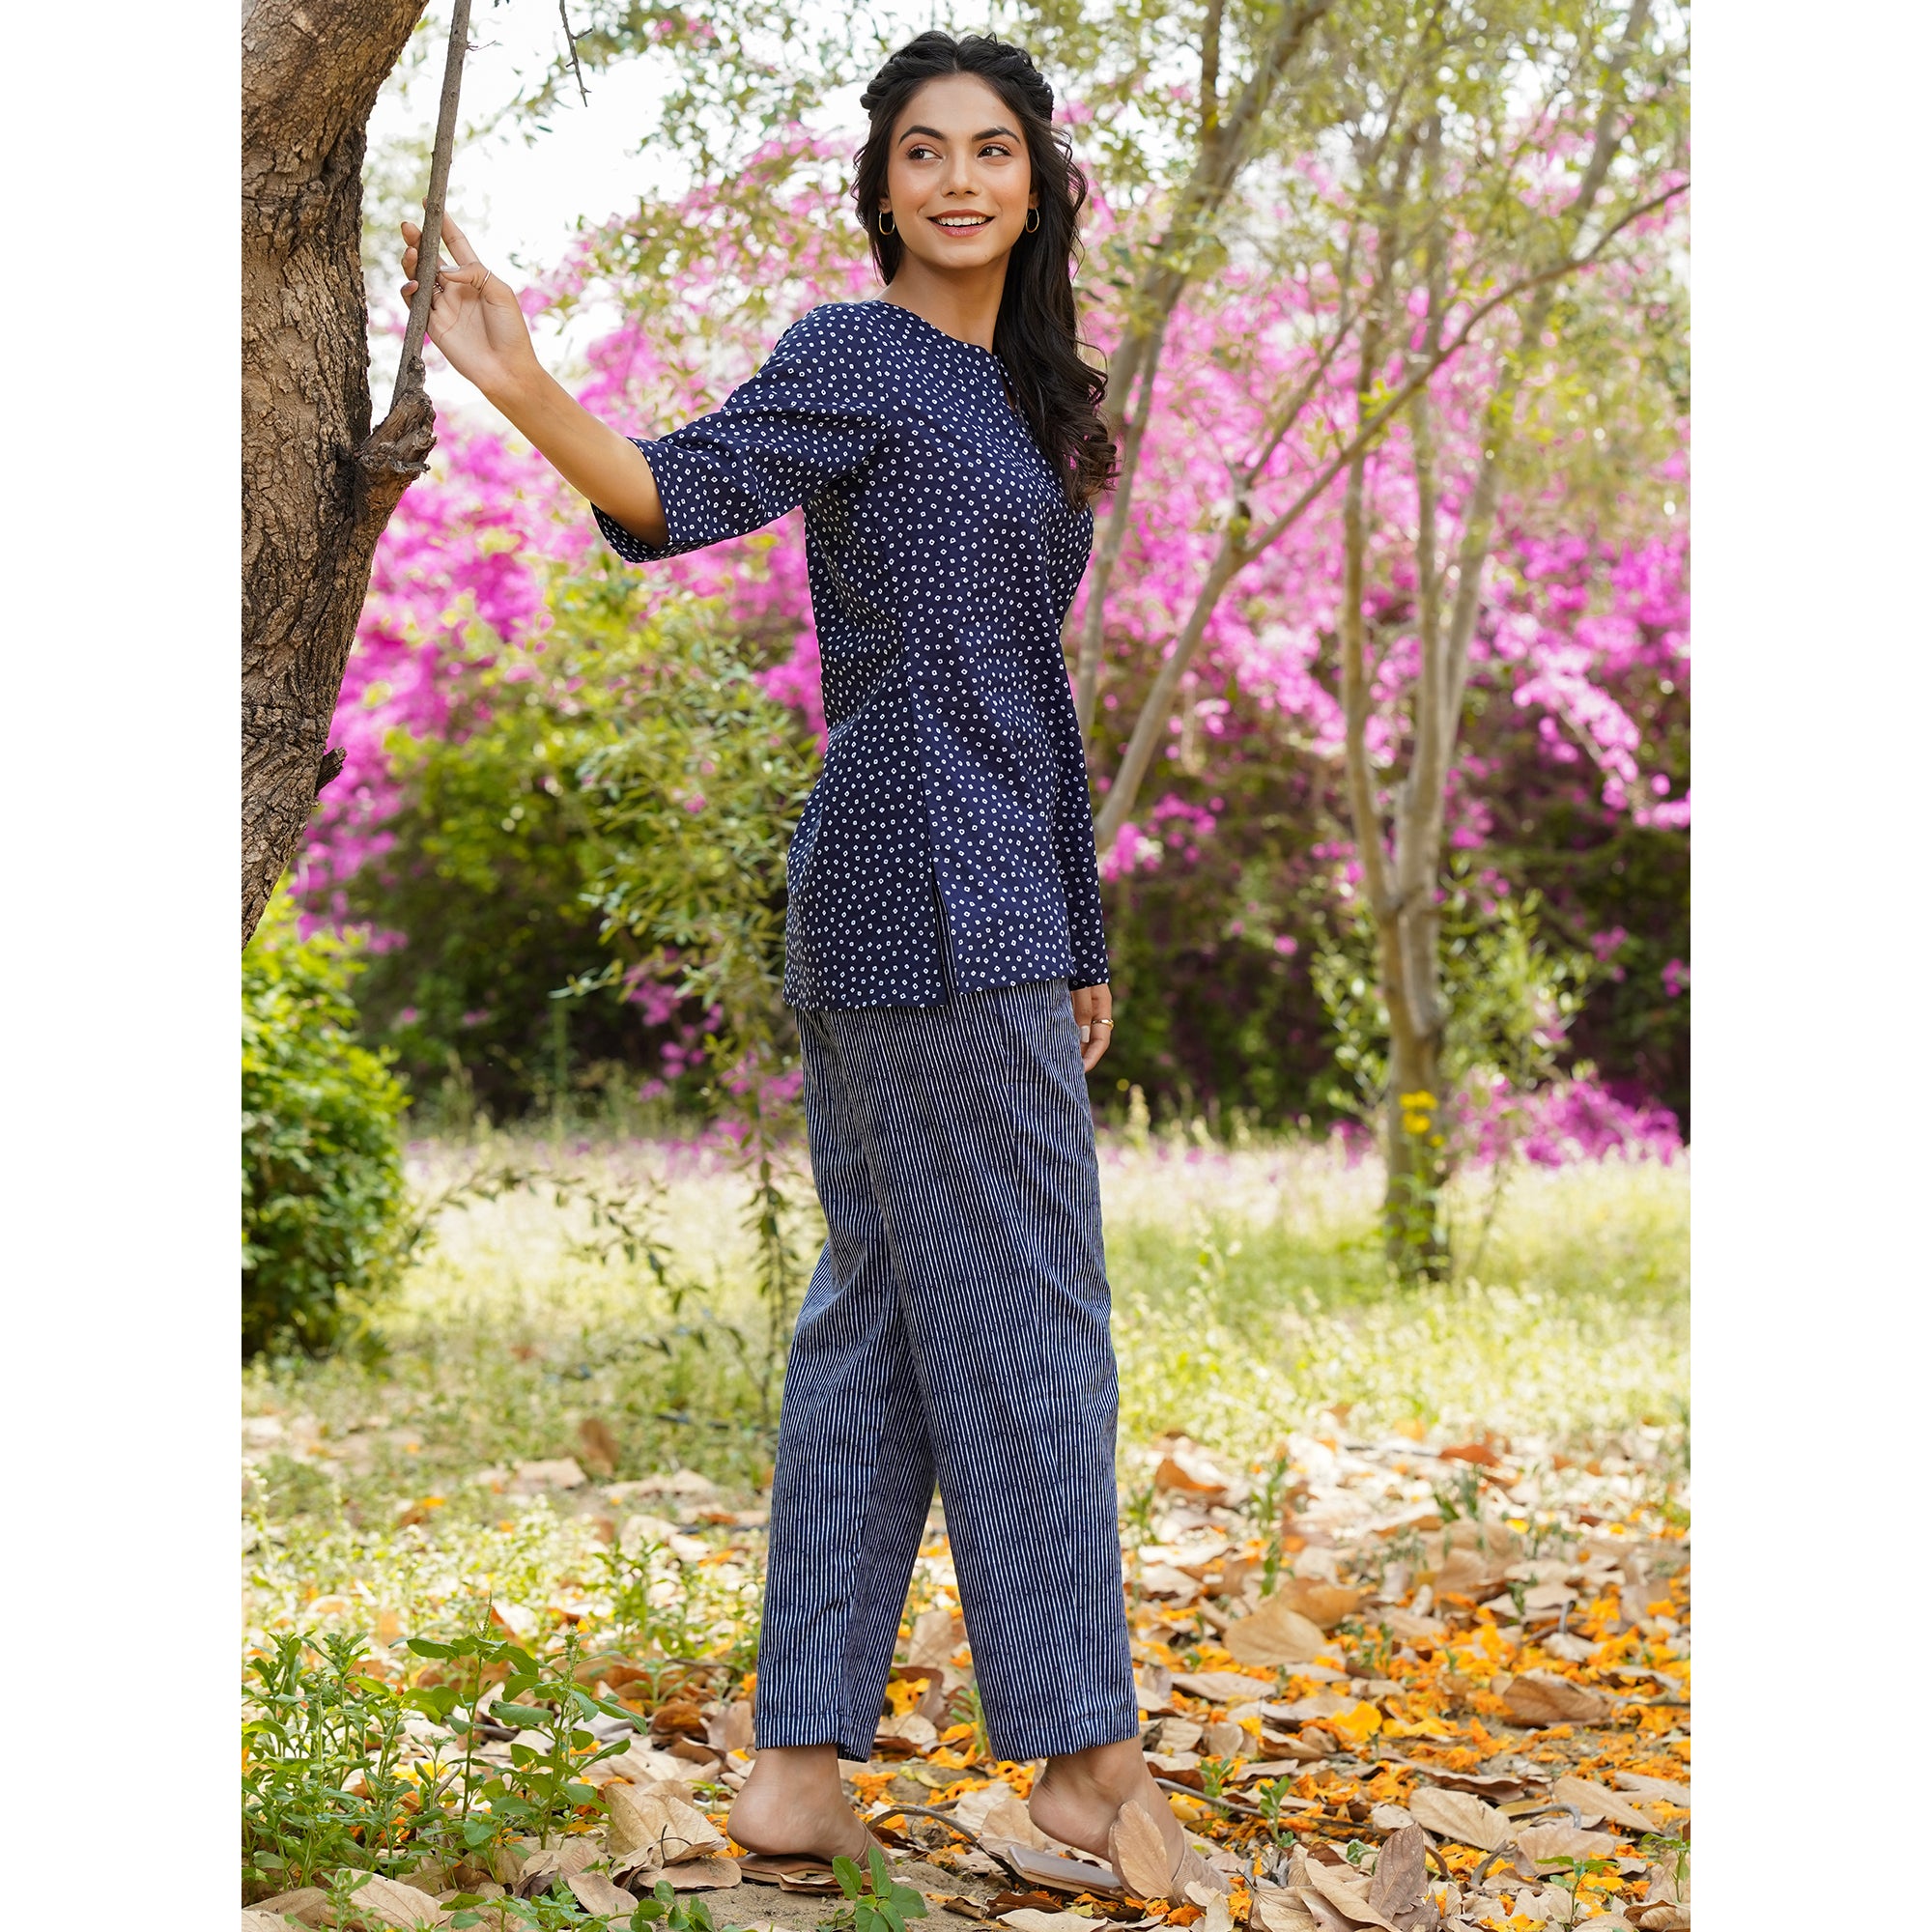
column 958, row 341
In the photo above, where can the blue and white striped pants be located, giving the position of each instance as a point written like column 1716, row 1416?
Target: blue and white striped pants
column 955, row 1328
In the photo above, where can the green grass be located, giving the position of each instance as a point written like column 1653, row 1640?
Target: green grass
column 1249, row 1295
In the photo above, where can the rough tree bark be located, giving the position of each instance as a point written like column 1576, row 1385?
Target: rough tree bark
column 317, row 488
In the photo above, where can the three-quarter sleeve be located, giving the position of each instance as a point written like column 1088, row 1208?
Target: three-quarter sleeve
column 807, row 418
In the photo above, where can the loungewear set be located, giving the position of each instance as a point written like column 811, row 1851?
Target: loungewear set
column 942, row 899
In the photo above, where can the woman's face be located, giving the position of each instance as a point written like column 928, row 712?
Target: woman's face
column 958, row 180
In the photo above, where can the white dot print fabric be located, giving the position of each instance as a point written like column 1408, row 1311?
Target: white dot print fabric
column 942, row 557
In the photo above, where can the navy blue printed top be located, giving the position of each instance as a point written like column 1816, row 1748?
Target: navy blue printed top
column 942, row 557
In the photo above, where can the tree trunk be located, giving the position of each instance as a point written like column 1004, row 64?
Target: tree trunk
column 1412, row 1229
column 317, row 488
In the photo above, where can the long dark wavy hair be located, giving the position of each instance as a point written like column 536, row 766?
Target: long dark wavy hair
column 1036, row 335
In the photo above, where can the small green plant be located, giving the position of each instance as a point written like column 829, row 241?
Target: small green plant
column 1264, row 1508
column 665, row 1911
column 1137, row 1511
column 875, row 1901
column 1464, row 1500
column 1672, row 1852
column 1576, row 1871
column 543, row 1789
column 319, row 1782
column 556, row 1909
column 1373, row 1647
column 1267, row 1798
column 323, row 1200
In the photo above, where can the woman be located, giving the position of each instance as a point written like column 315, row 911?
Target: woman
column 944, row 946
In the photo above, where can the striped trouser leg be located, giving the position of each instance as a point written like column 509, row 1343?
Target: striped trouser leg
column 853, row 1480
column 957, row 1326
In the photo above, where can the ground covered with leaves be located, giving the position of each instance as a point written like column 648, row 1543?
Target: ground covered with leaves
column 1409, row 1573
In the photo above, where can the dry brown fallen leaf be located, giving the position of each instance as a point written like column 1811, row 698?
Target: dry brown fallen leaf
column 1406, row 1626
column 911, row 1730
column 642, row 1765
column 1402, row 1872
column 1139, row 1853
column 1596, row 1800
column 1276, row 1909
column 1325, row 1916
column 265, row 1921
column 1541, row 1697
column 648, row 1817
column 596, row 1893
column 1277, row 1634
column 1670, row 1791
column 731, row 1728
column 701, row 1875
column 383, row 1901
column 1030, row 1919
column 1224, row 1687
column 308, row 1905
column 1302, row 1747
column 1470, row 1572
column 1459, row 1816
column 596, row 1446
column 561, row 1473
column 936, row 1634
column 1561, row 1839
column 1570, row 1648
column 1006, row 1817
column 542, row 1869
column 1349, row 1896
column 1323, row 1603
column 1664, row 1919
column 1188, row 1468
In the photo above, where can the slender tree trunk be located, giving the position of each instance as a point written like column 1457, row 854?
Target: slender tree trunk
column 1228, row 144
column 1537, row 289
column 317, row 488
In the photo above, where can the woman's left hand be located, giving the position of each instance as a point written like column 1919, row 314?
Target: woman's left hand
column 1093, row 1008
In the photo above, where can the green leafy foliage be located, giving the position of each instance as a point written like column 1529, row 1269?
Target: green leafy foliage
column 665, row 1909
column 317, row 1727
column 323, row 1204
column 695, row 803
column 1511, row 994
column 542, row 1790
column 493, row 851
column 875, row 1901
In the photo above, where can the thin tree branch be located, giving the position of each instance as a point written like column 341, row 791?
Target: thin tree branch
column 1226, row 148
column 570, row 42
column 429, row 250
column 1240, row 545
column 1113, row 532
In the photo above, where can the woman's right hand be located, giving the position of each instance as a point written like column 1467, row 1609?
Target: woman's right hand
column 474, row 317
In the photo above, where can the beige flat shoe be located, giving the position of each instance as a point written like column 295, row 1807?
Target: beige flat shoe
column 1139, row 1856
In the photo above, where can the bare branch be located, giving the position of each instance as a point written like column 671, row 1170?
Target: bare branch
column 429, row 250
column 1242, row 544
column 570, row 42
column 1227, row 146
column 1113, row 532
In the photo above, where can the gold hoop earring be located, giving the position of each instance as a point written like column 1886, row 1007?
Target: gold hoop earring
column 1033, row 220
column 886, row 221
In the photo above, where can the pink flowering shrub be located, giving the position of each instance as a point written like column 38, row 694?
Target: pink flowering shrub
column 1568, row 1122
